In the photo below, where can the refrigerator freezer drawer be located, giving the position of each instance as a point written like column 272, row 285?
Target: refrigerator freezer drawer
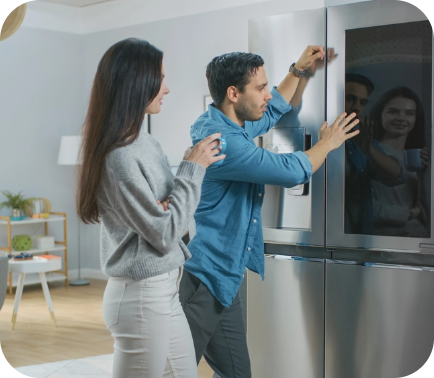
column 285, row 319
column 379, row 320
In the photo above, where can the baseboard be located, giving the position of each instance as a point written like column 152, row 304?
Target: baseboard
column 87, row 273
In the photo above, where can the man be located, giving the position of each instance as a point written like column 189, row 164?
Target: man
column 228, row 219
column 358, row 88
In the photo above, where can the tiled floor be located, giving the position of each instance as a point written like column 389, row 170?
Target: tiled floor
column 90, row 367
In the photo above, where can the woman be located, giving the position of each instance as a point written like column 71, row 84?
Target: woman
column 401, row 209
column 126, row 183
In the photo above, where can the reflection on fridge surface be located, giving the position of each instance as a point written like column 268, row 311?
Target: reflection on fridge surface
column 383, row 73
column 371, row 203
column 387, row 171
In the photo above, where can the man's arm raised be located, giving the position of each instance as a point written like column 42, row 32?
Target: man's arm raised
column 289, row 84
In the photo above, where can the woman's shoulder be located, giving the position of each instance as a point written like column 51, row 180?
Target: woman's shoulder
column 128, row 161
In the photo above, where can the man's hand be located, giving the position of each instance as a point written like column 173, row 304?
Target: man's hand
column 309, row 56
column 319, row 63
column 331, row 138
column 364, row 140
column 339, row 131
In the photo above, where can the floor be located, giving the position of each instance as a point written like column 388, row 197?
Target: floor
column 80, row 331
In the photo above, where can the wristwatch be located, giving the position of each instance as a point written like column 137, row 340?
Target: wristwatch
column 296, row 72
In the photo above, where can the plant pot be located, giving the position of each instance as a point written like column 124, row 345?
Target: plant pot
column 17, row 213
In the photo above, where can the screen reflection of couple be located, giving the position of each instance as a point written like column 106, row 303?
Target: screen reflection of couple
column 387, row 168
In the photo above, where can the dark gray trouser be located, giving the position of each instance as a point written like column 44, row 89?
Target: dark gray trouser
column 218, row 332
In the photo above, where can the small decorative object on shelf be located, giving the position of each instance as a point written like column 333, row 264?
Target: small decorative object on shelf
column 17, row 203
column 19, row 258
column 22, row 243
column 23, row 256
column 43, row 242
column 38, row 208
column 49, row 257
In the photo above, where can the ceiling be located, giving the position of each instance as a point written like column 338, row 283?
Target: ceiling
column 76, row 3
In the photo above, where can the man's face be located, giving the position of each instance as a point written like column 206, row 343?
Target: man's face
column 356, row 98
column 252, row 103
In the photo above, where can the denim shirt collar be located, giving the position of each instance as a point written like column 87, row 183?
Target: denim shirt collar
column 219, row 116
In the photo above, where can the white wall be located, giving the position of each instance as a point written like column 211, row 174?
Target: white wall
column 40, row 100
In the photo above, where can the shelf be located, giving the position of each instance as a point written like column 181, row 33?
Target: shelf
column 52, row 218
column 60, row 246
column 36, row 250
column 33, row 278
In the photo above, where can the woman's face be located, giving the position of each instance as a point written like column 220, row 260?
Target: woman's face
column 155, row 106
column 399, row 116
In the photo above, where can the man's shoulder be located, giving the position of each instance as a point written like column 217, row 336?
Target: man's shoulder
column 206, row 125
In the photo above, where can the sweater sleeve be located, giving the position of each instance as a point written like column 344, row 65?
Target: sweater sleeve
column 137, row 207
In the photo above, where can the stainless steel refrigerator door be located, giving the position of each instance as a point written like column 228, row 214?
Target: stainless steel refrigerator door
column 294, row 216
column 379, row 320
column 339, row 20
column 285, row 319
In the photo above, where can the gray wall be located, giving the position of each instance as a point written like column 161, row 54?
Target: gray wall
column 41, row 76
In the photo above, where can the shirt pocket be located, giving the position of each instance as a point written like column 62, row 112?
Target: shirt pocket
column 112, row 300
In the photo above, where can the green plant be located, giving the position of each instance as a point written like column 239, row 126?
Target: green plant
column 16, row 201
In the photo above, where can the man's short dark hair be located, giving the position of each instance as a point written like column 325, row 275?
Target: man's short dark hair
column 232, row 69
column 360, row 79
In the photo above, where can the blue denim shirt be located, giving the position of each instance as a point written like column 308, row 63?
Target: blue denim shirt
column 228, row 219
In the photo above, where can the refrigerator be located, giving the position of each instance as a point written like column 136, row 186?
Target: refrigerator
column 349, row 268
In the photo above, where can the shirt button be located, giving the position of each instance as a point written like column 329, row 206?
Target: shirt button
column 260, row 194
column 254, row 220
column 248, row 248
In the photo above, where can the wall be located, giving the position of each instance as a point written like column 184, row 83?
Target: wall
column 46, row 78
column 189, row 43
column 40, row 100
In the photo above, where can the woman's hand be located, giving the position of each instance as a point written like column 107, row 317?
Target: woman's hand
column 424, row 154
column 414, row 212
column 339, row 131
column 164, row 204
column 204, row 153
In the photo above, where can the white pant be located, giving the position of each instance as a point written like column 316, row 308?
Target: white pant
column 151, row 333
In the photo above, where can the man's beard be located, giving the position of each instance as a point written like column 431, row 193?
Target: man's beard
column 245, row 112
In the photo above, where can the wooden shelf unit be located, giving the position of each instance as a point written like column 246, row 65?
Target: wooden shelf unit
column 59, row 245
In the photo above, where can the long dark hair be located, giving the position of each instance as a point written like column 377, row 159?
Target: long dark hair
column 416, row 137
column 128, row 78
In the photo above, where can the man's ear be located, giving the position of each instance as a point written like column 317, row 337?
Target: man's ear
column 233, row 94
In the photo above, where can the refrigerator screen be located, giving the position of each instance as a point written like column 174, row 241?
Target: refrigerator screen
column 388, row 76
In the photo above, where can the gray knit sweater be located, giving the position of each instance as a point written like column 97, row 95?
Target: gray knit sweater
column 139, row 239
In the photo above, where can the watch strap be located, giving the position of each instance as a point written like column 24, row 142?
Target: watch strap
column 296, row 72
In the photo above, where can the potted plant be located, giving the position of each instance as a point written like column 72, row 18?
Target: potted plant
column 17, row 203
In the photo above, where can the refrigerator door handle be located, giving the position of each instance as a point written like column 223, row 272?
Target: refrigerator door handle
column 295, row 258
column 381, row 265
